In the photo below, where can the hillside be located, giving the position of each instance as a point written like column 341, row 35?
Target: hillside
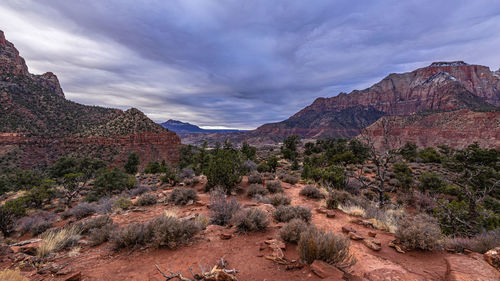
column 183, row 128
column 37, row 120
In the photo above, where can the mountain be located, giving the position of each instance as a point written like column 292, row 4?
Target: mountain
column 442, row 86
column 38, row 124
column 183, row 128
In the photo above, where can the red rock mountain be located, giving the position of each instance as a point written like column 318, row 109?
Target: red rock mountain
column 38, row 124
column 442, row 86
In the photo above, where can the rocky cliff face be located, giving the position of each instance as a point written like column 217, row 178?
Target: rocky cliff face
column 455, row 128
column 442, row 86
column 38, row 125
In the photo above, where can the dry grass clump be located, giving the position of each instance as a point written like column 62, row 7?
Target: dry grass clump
column 58, row 239
column 146, row 200
column 292, row 230
column 255, row 178
column 274, row 186
column 353, row 210
column 12, row 275
column 221, row 209
column 287, row 213
column 131, row 235
column 253, row 219
column 480, row 243
column 256, row 189
column 86, row 225
column 316, row 244
column 312, row 192
column 182, row 195
column 419, row 232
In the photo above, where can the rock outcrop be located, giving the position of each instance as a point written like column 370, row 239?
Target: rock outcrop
column 38, row 125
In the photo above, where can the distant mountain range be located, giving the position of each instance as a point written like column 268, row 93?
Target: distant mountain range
column 184, row 128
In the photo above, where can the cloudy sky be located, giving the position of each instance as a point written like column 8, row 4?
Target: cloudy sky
column 239, row 64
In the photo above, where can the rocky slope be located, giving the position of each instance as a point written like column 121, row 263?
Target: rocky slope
column 442, row 86
column 38, row 124
column 184, row 128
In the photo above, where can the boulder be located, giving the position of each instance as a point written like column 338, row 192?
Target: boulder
column 390, row 274
column 372, row 244
column 330, row 214
column 347, row 229
column 325, row 270
column 493, row 257
column 462, row 268
column 372, row 234
column 355, row 236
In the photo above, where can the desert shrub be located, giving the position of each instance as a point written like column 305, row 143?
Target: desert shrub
column 57, row 239
column 139, row 190
column 249, row 166
column 256, row 189
column 122, row 203
column 97, row 236
column 480, row 243
column 221, row 209
column 186, row 173
column 131, row 164
column 85, row 226
column 311, row 191
column 291, row 179
column 105, row 205
column 16, row 207
column 403, row 174
column 430, row 181
column 287, row 213
column 292, row 230
column 316, row 244
column 224, row 169
column 130, row 236
column 6, row 220
column 12, row 275
column 182, row 195
column 255, row 178
column 36, row 223
column 146, row 200
column 170, row 231
column 253, row 219
column 274, row 186
column 278, row 199
column 385, row 219
column 111, row 181
column 83, row 210
column 429, row 155
column 419, row 232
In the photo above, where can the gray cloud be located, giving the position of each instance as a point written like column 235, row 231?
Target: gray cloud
column 240, row 63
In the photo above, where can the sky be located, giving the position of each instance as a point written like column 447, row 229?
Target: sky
column 240, row 64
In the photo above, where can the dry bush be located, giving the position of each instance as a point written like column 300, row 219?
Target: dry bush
column 139, row 190
column 87, row 225
column 419, row 232
column 97, row 236
column 83, row 210
column 311, row 191
column 291, row 179
column 278, row 200
column 122, row 203
column 287, row 213
column 316, row 244
column 146, row 200
column 36, row 223
column 353, row 210
column 131, row 235
column 292, row 230
column 256, row 189
column 170, row 231
column 255, row 178
column 57, row 239
column 385, row 219
column 274, row 186
column 12, row 275
column 182, row 195
column 253, row 219
column 221, row 209
column 480, row 243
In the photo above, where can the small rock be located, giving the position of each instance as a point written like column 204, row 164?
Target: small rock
column 372, row 234
column 372, row 244
column 493, row 257
column 226, row 235
column 347, row 229
column 199, row 203
column 355, row 236
column 22, row 243
column 320, row 210
column 325, row 270
column 330, row 214
column 74, row 277
column 396, row 247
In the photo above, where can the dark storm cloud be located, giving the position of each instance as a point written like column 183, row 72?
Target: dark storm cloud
column 240, row 63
